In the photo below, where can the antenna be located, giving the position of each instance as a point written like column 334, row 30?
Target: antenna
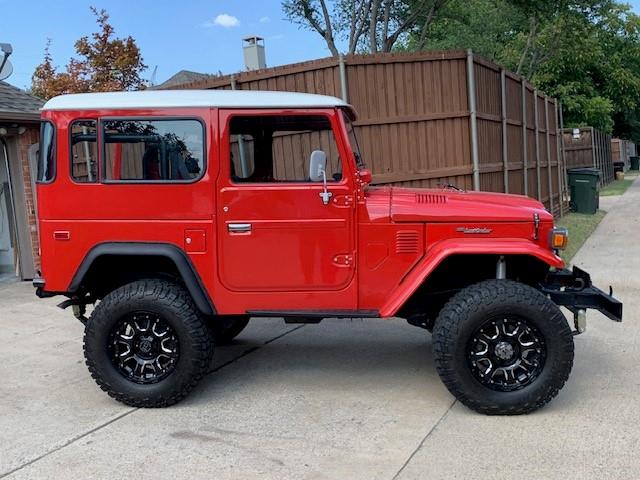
column 6, row 69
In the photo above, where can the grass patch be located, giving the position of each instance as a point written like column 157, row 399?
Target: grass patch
column 617, row 187
column 580, row 227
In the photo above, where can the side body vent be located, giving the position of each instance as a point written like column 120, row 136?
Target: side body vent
column 407, row 241
column 432, row 198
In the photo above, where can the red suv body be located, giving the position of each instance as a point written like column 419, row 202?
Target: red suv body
column 257, row 204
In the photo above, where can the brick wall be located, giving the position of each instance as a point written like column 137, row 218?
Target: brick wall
column 25, row 141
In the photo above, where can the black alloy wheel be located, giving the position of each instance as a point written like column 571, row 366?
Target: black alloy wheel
column 506, row 354
column 144, row 348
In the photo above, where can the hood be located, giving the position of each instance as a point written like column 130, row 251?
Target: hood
column 447, row 206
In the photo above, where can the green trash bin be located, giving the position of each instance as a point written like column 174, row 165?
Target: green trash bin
column 585, row 190
column 635, row 163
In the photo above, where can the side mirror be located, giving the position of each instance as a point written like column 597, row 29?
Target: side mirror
column 318, row 173
column 317, row 166
column 365, row 176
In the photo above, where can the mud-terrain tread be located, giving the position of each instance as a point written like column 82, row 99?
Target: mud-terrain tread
column 486, row 295
column 170, row 296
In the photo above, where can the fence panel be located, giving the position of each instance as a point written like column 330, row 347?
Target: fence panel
column 589, row 147
column 416, row 120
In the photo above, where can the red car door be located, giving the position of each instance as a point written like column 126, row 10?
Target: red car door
column 275, row 232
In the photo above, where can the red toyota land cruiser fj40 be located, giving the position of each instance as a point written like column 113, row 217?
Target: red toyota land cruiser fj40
column 181, row 214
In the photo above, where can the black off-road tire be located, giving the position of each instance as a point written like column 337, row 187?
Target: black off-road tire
column 173, row 304
column 225, row 328
column 467, row 311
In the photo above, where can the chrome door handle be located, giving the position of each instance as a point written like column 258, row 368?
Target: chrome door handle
column 239, row 227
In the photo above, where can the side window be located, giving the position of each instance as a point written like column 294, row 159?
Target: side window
column 46, row 155
column 84, row 151
column 277, row 148
column 153, row 150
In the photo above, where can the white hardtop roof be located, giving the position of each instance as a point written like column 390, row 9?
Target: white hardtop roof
column 191, row 98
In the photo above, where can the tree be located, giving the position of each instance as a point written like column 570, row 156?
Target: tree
column 104, row 64
column 366, row 25
column 586, row 53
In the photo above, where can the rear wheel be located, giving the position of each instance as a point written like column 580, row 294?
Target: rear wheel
column 146, row 344
column 502, row 347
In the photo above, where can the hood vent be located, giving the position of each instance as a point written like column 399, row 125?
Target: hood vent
column 407, row 241
column 431, row 198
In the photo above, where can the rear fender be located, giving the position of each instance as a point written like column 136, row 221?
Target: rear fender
column 181, row 261
column 459, row 246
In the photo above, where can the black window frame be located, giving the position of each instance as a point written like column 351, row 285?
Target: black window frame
column 103, row 153
column 97, row 160
column 239, row 113
column 54, row 152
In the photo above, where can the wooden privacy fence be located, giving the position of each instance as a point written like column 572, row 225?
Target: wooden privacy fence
column 622, row 151
column 588, row 147
column 433, row 118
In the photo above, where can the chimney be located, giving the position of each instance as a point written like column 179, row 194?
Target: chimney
column 254, row 58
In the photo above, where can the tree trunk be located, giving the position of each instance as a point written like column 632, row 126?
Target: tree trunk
column 373, row 26
column 527, row 47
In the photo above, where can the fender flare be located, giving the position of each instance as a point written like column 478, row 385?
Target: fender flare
column 459, row 246
column 182, row 262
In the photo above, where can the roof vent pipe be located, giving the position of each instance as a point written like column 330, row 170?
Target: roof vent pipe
column 254, row 57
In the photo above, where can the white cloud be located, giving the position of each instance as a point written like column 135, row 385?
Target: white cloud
column 223, row 20
column 264, row 20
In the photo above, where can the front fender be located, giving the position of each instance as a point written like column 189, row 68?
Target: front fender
column 462, row 246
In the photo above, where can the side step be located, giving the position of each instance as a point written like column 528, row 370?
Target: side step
column 313, row 316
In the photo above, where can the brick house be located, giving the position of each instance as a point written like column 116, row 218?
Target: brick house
column 19, row 134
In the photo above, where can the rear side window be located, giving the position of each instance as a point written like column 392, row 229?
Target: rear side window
column 84, row 151
column 46, row 154
column 153, row 150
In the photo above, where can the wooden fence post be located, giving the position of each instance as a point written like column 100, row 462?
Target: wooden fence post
column 537, row 133
column 558, row 160
column 525, row 138
column 505, row 156
column 546, row 128
column 473, row 118
column 565, row 181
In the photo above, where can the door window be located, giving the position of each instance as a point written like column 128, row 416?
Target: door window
column 277, row 148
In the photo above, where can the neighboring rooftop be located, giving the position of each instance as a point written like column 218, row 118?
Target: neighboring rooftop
column 183, row 77
column 16, row 104
column 190, row 98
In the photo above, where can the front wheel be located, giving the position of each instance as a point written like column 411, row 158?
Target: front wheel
column 146, row 344
column 502, row 348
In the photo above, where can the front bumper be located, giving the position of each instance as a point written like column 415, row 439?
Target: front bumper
column 573, row 289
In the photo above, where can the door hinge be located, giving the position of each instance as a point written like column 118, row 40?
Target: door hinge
column 343, row 200
column 343, row 260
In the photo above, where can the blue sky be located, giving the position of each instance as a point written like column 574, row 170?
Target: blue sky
column 172, row 34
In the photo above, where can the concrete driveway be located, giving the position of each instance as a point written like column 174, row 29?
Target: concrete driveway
column 343, row 399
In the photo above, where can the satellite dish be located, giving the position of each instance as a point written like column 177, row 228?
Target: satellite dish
column 6, row 70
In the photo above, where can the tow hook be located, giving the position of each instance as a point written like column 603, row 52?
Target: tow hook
column 580, row 321
column 78, row 307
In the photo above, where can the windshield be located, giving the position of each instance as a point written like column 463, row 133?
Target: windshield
column 353, row 140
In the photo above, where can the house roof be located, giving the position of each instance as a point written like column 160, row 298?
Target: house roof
column 18, row 105
column 182, row 77
column 191, row 98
